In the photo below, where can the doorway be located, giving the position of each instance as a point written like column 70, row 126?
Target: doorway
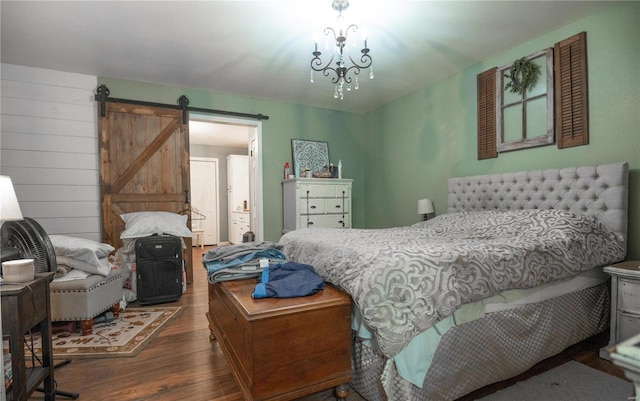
column 215, row 137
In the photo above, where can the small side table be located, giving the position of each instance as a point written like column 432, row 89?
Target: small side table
column 24, row 306
column 625, row 303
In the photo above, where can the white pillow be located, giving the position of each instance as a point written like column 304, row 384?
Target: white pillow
column 143, row 224
column 80, row 248
column 101, row 267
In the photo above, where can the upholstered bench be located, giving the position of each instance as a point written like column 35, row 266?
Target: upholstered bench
column 82, row 300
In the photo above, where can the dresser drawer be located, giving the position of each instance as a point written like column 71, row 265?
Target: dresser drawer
column 324, row 191
column 312, row 206
column 629, row 295
column 322, row 206
column 240, row 217
column 337, row 206
column 628, row 326
column 325, row 221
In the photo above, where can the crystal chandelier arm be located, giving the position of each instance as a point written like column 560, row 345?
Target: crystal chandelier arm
column 365, row 59
column 318, row 65
column 326, row 69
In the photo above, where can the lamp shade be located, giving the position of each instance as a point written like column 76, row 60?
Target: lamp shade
column 425, row 206
column 9, row 207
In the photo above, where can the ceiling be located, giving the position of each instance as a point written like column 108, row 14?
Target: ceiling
column 203, row 132
column 262, row 49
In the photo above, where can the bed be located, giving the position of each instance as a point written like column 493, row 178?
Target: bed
column 511, row 275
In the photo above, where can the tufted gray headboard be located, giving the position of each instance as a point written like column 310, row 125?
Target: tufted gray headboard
column 600, row 191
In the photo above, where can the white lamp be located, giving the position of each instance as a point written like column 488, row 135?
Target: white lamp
column 425, row 207
column 9, row 207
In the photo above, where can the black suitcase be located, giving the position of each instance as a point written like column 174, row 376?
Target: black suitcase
column 158, row 269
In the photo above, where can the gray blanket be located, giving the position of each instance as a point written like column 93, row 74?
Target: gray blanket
column 405, row 279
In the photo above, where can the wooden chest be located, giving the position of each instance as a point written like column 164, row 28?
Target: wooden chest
column 282, row 349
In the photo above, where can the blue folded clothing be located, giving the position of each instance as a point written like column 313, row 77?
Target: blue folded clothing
column 270, row 253
column 287, row 280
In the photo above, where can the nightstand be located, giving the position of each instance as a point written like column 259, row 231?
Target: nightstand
column 625, row 302
column 25, row 306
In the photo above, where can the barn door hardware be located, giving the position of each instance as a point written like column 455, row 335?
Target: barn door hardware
column 183, row 101
column 102, row 96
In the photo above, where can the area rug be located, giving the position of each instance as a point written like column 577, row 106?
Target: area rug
column 125, row 336
column 572, row 381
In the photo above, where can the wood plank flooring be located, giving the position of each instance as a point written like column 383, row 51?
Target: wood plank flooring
column 181, row 363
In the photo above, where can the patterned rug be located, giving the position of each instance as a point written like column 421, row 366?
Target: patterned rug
column 124, row 336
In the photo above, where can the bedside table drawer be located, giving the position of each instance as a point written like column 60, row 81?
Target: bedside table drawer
column 629, row 295
column 628, row 326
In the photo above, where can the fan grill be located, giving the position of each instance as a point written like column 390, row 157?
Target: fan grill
column 31, row 241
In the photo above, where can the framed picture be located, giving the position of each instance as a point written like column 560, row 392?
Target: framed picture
column 313, row 155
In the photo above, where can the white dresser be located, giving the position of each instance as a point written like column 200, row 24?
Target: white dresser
column 316, row 202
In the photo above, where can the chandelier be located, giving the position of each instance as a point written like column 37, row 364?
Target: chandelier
column 341, row 66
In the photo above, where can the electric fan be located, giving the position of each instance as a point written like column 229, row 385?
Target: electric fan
column 27, row 239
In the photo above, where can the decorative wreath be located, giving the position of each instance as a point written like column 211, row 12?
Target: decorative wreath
column 523, row 75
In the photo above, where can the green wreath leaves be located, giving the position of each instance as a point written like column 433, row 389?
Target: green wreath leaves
column 522, row 75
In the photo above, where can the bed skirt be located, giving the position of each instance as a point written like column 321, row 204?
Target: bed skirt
column 488, row 350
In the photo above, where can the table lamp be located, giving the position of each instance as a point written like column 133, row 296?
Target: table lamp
column 9, row 207
column 9, row 211
column 425, row 208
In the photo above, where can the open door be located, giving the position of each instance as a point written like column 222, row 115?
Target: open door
column 144, row 166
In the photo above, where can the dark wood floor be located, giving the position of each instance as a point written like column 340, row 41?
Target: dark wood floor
column 181, row 363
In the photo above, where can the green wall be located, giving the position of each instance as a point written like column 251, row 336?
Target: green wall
column 341, row 130
column 416, row 143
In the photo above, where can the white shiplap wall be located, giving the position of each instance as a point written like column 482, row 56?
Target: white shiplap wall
column 49, row 147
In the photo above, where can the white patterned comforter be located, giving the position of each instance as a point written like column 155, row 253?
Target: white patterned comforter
column 405, row 279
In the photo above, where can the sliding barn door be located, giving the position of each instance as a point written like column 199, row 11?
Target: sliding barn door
column 144, row 166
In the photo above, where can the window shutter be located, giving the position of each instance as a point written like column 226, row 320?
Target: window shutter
column 487, row 115
column 572, row 109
